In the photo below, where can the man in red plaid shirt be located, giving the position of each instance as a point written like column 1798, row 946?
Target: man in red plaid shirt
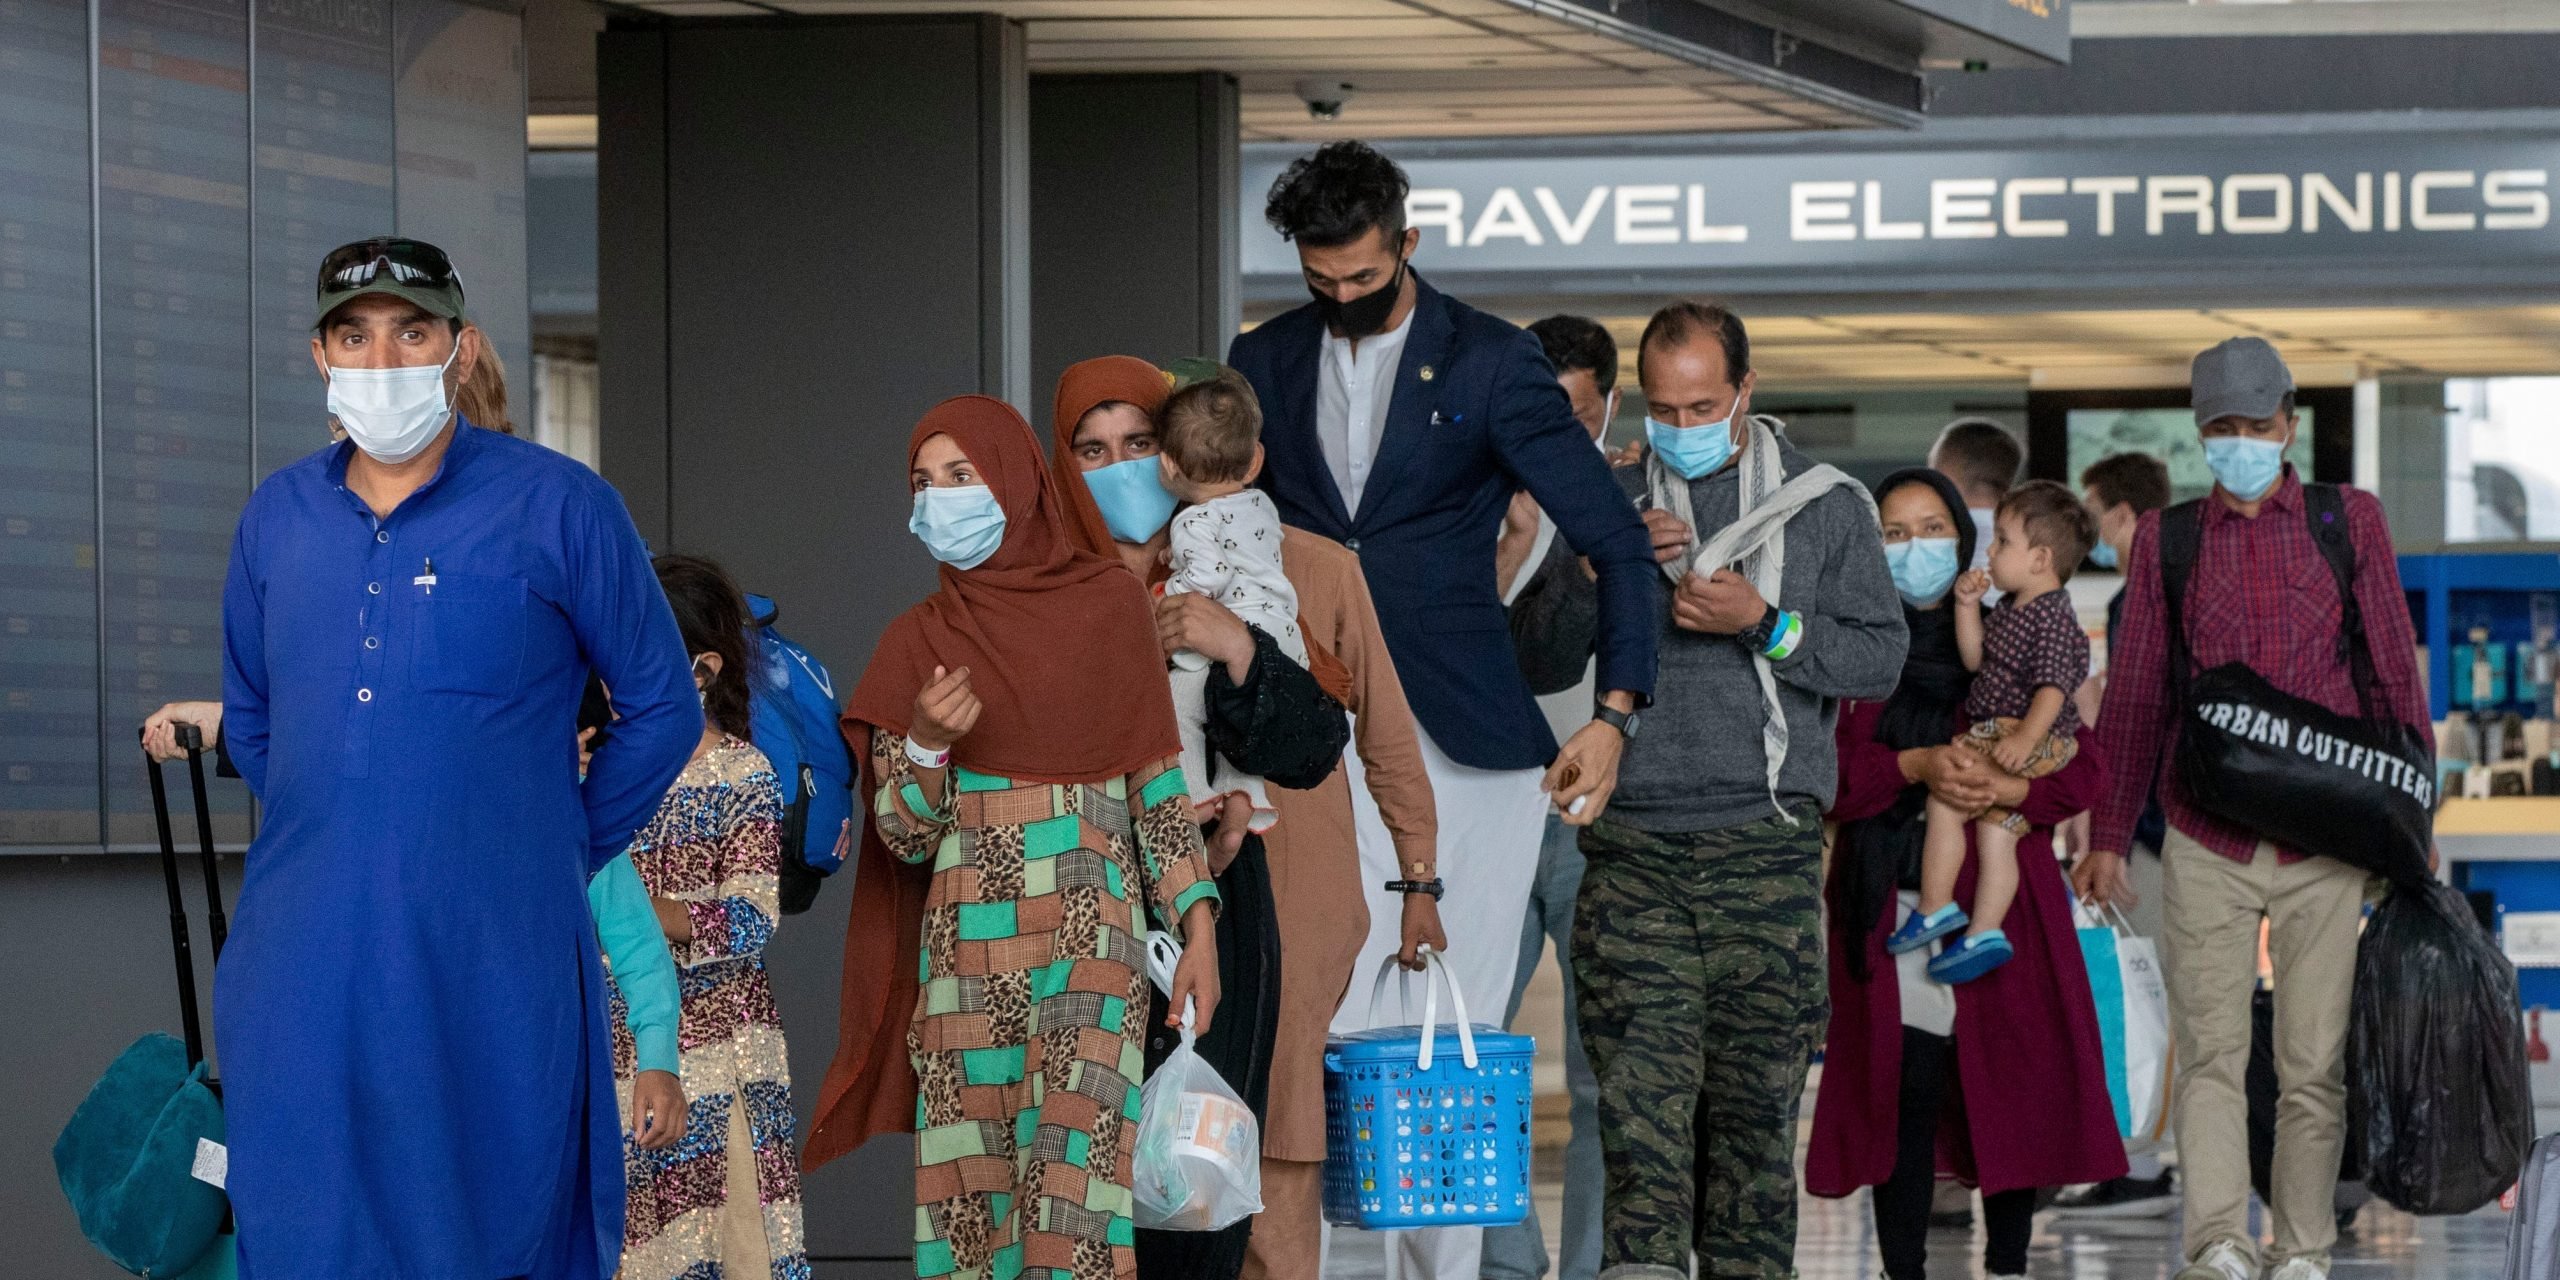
column 2260, row 593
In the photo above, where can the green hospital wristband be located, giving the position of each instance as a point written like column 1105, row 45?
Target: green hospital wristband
column 922, row 808
column 1784, row 635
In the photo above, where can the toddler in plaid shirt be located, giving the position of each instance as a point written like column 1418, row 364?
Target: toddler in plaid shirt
column 2028, row 657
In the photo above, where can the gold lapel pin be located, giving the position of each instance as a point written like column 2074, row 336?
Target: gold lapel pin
column 1427, row 374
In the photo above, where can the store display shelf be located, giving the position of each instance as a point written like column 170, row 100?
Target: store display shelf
column 2502, row 816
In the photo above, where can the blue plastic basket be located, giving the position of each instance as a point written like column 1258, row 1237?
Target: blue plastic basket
column 1417, row 1137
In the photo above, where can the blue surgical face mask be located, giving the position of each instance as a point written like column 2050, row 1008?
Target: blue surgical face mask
column 1922, row 569
column 2246, row 467
column 1132, row 498
column 1692, row 451
column 960, row 526
column 2103, row 555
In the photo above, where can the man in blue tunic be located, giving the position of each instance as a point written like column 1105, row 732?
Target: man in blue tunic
column 410, row 1011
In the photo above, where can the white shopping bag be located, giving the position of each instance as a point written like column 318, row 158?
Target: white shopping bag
column 2146, row 1031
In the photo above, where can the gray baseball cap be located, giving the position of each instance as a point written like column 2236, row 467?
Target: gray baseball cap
column 2239, row 378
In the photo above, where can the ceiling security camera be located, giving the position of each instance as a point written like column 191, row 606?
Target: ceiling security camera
column 1324, row 97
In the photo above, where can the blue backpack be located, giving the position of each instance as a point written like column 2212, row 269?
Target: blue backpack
column 792, row 713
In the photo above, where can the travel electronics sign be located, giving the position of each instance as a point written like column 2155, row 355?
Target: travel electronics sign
column 1841, row 220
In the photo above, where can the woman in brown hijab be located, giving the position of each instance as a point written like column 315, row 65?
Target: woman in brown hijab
column 1028, row 810
column 1103, row 441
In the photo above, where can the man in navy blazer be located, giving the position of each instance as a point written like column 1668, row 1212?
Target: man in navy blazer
column 1399, row 422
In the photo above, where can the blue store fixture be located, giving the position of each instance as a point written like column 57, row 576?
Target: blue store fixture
column 2451, row 595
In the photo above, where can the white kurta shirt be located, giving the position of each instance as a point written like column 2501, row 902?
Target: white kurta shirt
column 1352, row 395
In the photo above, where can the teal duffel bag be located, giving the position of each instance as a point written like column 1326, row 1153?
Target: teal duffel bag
column 127, row 1160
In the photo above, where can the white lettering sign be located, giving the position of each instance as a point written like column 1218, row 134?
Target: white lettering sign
column 2021, row 208
column 1820, row 210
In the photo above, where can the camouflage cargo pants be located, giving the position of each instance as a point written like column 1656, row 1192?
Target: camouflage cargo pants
column 1699, row 959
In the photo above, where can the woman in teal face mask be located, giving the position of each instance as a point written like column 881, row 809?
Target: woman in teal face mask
column 1278, row 722
column 1027, row 825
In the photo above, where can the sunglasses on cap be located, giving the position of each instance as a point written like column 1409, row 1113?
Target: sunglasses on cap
column 366, row 263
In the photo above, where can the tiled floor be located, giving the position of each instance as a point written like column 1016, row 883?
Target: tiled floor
column 1836, row 1238
column 1836, row 1241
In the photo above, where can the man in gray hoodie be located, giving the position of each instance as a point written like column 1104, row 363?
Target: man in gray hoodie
column 1698, row 934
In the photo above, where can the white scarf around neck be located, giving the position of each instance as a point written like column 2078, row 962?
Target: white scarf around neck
column 1754, row 544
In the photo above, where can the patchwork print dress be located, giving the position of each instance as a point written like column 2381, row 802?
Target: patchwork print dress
column 724, row 1202
column 1029, row 1031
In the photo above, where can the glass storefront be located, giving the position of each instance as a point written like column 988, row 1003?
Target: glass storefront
column 2502, row 459
column 2167, row 434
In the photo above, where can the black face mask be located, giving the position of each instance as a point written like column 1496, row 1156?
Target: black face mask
column 1365, row 315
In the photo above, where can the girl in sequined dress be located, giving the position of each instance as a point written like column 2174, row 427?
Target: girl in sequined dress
column 723, row 1203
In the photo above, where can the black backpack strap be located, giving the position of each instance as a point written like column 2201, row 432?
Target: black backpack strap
column 2181, row 539
column 2325, row 507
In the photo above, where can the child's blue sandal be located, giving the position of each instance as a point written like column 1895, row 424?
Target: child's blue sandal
column 1919, row 930
column 1972, row 956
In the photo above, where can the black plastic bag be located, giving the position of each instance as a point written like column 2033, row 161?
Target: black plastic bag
column 2436, row 1049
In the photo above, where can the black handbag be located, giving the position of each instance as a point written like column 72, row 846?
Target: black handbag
column 2360, row 789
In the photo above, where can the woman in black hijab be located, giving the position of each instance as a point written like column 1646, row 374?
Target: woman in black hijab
column 1875, row 855
column 2000, row 1083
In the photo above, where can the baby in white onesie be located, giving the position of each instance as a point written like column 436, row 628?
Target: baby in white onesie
column 1226, row 546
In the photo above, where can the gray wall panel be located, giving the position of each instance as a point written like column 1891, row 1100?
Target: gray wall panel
column 820, row 300
column 631, row 299
column 812, row 232
column 91, row 936
column 1004, row 202
column 1133, row 219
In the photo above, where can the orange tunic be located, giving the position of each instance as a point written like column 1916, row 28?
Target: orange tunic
column 1314, row 852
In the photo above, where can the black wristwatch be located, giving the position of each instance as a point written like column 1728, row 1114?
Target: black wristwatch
column 1431, row 886
column 1625, row 722
column 1756, row 637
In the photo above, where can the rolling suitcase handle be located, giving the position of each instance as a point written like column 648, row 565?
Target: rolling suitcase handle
column 192, row 740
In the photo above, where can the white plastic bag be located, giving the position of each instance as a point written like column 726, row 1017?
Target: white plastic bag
column 1198, row 1163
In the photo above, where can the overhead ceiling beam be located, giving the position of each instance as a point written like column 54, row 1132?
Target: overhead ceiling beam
column 1799, row 82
